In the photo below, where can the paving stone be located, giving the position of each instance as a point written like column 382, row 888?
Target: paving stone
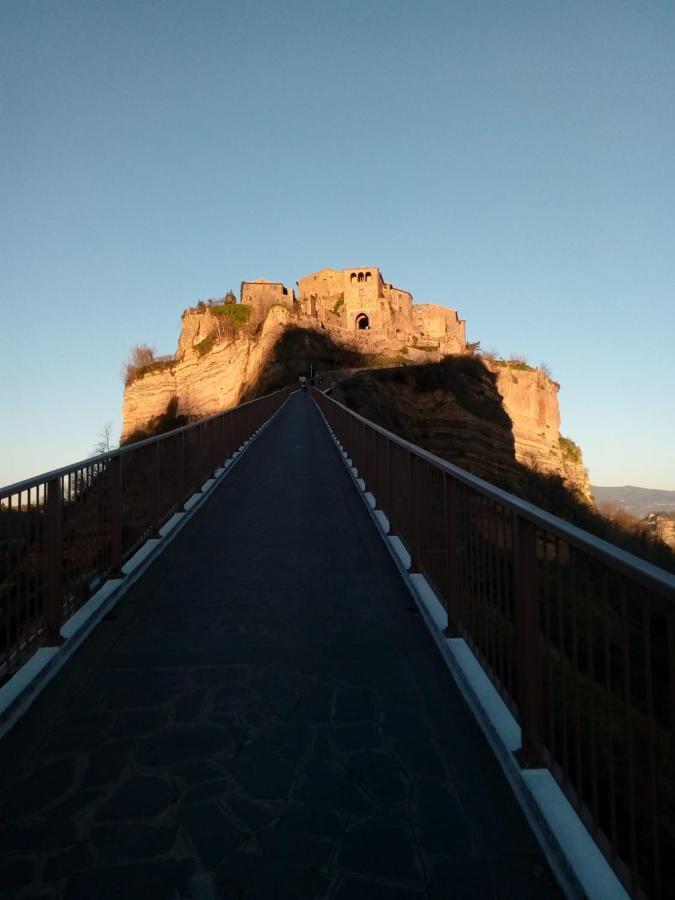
column 129, row 843
column 36, row 838
column 271, row 779
column 74, row 859
column 380, row 775
column 355, row 737
column 76, row 804
column 187, row 706
column 138, row 722
column 253, row 815
column 197, row 773
column 278, row 842
column 144, row 881
column 464, row 880
column 322, row 785
column 355, row 705
column 141, row 797
column 419, row 756
column 104, row 766
column 403, row 721
column 15, row 874
column 183, row 743
column 248, row 877
column 212, row 833
column 207, row 790
column 40, row 788
column 316, row 705
column 359, row 889
column 79, row 733
column 286, row 740
column 389, row 854
column 517, row 876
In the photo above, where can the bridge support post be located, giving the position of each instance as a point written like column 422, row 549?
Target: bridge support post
column 54, row 546
column 528, row 643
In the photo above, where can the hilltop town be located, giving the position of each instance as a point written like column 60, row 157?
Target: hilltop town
column 360, row 302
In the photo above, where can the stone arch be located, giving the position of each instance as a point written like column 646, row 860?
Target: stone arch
column 368, row 276
column 352, row 277
column 361, row 322
column 360, row 277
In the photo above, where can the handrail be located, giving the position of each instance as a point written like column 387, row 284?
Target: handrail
column 120, row 451
column 65, row 531
column 578, row 637
column 653, row 576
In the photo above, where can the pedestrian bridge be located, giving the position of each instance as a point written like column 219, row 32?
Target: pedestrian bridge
column 281, row 701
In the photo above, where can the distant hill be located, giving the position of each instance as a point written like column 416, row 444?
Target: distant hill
column 637, row 501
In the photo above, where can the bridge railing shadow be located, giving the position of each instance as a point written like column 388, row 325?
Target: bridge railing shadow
column 62, row 534
column 577, row 635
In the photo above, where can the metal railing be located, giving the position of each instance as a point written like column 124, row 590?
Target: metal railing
column 63, row 533
column 577, row 636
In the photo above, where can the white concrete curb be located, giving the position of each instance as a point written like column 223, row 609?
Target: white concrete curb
column 17, row 695
column 575, row 859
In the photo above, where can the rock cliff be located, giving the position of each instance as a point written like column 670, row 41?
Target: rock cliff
column 489, row 416
column 498, row 422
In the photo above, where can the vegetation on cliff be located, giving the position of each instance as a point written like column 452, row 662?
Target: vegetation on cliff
column 141, row 361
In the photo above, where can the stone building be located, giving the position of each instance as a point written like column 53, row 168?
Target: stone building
column 365, row 302
column 262, row 294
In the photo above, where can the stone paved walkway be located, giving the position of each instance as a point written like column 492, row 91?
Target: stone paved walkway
column 262, row 716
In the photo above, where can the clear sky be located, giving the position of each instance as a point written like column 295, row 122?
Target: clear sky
column 513, row 160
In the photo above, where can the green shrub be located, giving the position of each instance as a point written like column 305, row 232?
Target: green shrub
column 238, row 313
column 205, row 346
column 338, row 303
column 570, row 450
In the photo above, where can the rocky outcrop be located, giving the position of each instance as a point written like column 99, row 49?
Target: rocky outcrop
column 484, row 415
column 202, row 380
column 531, row 401
column 217, row 363
column 497, row 422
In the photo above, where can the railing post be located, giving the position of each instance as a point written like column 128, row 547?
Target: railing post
column 528, row 644
column 156, row 489
column 452, row 604
column 182, row 473
column 54, row 545
column 115, row 469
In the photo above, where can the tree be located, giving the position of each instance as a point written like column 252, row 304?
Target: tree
column 140, row 356
column 105, row 441
column 230, row 297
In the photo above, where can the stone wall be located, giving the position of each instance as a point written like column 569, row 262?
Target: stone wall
column 263, row 294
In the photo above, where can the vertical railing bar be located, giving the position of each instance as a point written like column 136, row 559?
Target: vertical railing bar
column 629, row 737
column 590, row 650
column 653, row 795
column 609, row 713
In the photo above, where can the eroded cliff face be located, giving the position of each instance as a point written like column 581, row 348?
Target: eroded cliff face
column 531, row 402
column 495, row 421
column 485, row 416
column 216, row 364
column 202, row 383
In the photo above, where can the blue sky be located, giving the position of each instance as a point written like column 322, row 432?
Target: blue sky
column 512, row 160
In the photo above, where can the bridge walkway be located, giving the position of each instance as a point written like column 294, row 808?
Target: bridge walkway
column 262, row 716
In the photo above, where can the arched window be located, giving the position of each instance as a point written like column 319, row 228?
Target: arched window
column 362, row 323
column 352, row 277
column 368, row 276
column 360, row 276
